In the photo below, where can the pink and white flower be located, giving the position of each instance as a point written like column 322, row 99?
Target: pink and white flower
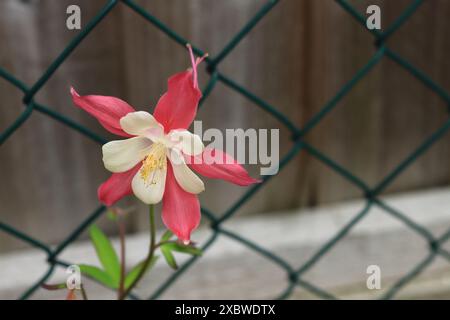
column 156, row 159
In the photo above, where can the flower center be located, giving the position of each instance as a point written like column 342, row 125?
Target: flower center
column 155, row 160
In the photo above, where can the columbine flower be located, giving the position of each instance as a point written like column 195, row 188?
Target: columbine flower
column 153, row 161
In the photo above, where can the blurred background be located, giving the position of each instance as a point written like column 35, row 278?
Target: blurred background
column 296, row 58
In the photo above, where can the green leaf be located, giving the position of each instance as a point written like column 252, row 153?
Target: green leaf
column 166, row 236
column 134, row 272
column 99, row 275
column 174, row 246
column 105, row 252
column 170, row 259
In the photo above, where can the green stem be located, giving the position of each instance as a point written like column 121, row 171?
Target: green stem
column 83, row 293
column 161, row 243
column 150, row 254
column 122, row 257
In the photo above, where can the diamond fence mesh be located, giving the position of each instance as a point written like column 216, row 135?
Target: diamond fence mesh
column 369, row 193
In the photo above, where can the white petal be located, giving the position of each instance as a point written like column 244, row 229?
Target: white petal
column 122, row 155
column 189, row 143
column 152, row 191
column 187, row 179
column 141, row 123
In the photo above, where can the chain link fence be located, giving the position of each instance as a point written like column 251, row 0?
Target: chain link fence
column 370, row 193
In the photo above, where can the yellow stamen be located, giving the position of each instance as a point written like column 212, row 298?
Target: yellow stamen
column 155, row 160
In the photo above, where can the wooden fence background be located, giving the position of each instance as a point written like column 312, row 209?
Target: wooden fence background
column 296, row 58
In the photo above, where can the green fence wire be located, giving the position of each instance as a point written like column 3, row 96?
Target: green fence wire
column 370, row 193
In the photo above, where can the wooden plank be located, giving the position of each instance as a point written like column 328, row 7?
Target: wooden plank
column 297, row 58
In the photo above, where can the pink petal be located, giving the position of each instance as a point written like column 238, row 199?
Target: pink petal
column 177, row 108
column 117, row 186
column 181, row 209
column 107, row 110
column 216, row 164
